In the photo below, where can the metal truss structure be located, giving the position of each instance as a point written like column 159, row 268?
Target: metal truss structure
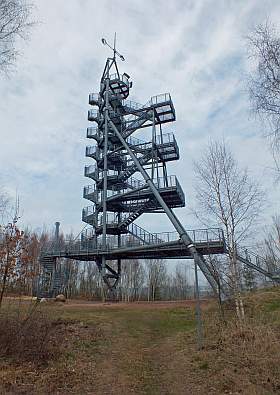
column 130, row 179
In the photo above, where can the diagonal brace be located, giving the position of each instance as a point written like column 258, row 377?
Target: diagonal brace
column 174, row 220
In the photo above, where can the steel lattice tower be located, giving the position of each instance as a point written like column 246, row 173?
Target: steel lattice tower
column 130, row 179
column 119, row 196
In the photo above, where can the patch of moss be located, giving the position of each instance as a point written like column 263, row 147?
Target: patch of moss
column 204, row 365
column 273, row 305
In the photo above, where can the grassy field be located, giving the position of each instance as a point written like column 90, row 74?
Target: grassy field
column 151, row 349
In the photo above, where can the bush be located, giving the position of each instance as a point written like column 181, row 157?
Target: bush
column 33, row 336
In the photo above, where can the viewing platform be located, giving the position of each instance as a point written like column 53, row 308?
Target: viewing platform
column 94, row 99
column 119, row 85
column 158, row 110
column 141, row 245
column 137, row 191
column 162, row 104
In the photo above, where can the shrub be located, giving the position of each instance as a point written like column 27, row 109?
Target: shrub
column 32, row 336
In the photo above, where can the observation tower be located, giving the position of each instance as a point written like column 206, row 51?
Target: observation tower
column 128, row 177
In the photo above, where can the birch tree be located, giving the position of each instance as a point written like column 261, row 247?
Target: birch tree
column 227, row 196
column 156, row 274
column 132, row 280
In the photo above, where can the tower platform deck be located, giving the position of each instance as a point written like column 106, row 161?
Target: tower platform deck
column 139, row 244
column 172, row 250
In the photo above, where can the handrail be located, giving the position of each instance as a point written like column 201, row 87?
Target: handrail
column 120, row 77
column 155, row 100
column 92, row 131
column 138, row 236
column 93, row 97
column 161, row 98
column 93, row 113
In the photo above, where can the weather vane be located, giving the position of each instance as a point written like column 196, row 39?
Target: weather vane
column 104, row 42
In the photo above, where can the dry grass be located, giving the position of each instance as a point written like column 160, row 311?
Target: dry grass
column 30, row 334
column 247, row 355
column 115, row 349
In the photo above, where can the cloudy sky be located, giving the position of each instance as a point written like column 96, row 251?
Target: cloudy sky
column 196, row 50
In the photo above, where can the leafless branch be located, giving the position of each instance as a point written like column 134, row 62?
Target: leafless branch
column 264, row 82
column 15, row 23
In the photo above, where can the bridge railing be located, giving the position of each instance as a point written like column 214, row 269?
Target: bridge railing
column 91, row 244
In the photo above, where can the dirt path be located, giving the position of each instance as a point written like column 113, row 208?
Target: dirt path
column 137, row 355
column 81, row 304
column 135, row 349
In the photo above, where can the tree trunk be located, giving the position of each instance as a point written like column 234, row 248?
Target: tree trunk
column 4, row 281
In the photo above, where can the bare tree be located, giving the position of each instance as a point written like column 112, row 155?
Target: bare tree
column 4, row 204
column 226, row 195
column 264, row 82
column 132, row 280
column 156, row 274
column 15, row 23
column 180, row 283
column 28, row 281
column 14, row 256
column 88, row 281
column 271, row 245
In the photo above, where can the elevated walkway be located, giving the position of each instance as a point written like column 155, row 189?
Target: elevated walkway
column 258, row 263
column 140, row 244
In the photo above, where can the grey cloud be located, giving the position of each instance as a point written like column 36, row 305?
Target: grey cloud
column 194, row 49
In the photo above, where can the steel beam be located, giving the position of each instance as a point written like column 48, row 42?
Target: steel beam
column 174, row 220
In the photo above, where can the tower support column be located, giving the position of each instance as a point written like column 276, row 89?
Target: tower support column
column 105, row 178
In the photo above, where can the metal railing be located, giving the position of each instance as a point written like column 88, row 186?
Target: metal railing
column 92, row 150
column 209, row 235
column 166, row 117
column 131, row 140
column 90, row 171
column 257, row 262
column 137, row 237
column 87, row 211
column 134, row 183
column 162, row 98
column 136, row 121
column 120, row 77
column 143, row 235
column 155, row 100
column 168, row 182
column 252, row 257
column 160, row 140
column 93, row 114
column 93, row 98
column 132, row 105
column 89, row 190
column 93, row 131
column 142, row 107
column 180, row 190
column 160, row 183
column 166, row 138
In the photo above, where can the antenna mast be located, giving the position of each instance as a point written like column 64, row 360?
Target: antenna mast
column 115, row 52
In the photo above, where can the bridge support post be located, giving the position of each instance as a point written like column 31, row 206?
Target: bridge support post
column 198, row 307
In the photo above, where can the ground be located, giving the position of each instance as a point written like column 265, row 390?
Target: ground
column 151, row 348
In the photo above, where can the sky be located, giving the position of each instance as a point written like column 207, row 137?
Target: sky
column 196, row 50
